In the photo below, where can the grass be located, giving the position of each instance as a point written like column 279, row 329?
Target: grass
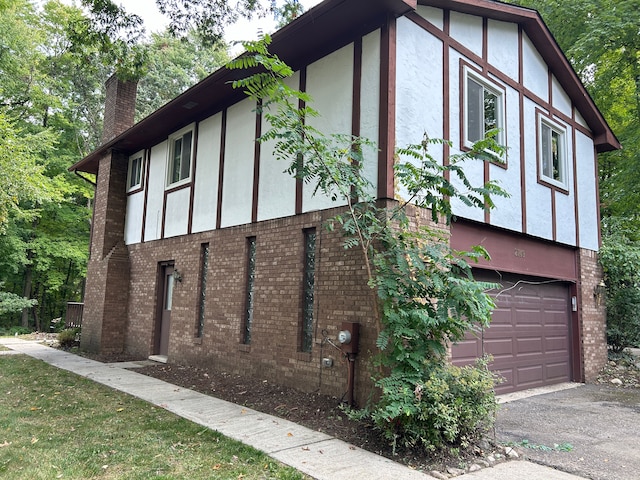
column 55, row 424
column 3, row 348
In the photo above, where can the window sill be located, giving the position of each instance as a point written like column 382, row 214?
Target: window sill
column 304, row 356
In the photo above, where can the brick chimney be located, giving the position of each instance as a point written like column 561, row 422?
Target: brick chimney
column 107, row 288
column 119, row 107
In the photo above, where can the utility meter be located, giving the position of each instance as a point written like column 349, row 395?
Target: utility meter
column 349, row 336
column 344, row 336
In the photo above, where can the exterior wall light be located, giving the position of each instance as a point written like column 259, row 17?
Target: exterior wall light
column 599, row 292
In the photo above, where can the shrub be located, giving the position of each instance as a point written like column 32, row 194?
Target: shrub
column 68, row 338
column 447, row 407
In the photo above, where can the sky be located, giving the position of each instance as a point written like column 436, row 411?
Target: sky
column 244, row 30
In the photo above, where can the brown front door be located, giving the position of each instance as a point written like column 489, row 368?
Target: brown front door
column 164, row 317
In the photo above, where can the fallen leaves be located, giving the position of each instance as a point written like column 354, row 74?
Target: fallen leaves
column 5, row 444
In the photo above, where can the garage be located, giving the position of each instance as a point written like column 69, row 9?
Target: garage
column 529, row 336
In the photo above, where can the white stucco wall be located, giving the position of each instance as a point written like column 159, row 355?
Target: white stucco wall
column 433, row 15
column 237, row 186
column 205, row 197
column 133, row 219
column 370, row 104
column 502, row 47
column 467, row 29
column 534, row 69
column 587, row 194
column 177, row 213
column 561, row 100
column 330, row 84
column 155, row 195
column 277, row 188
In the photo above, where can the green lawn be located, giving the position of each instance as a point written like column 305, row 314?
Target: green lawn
column 55, row 424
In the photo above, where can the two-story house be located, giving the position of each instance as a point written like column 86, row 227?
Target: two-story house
column 205, row 252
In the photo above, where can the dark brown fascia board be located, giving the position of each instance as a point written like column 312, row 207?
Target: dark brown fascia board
column 533, row 24
column 317, row 32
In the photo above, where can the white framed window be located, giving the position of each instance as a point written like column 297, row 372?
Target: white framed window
column 180, row 157
column 134, row 173
column 483, row 108
column 552, row 153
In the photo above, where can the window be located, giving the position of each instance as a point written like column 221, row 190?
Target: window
column 552, row 153
column 251, row 276
column 180, row 156
column 204, row 267
column 484, row 107
column 308, row 288
column 134, row 174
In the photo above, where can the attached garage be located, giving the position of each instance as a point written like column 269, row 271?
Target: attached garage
column 530, row 333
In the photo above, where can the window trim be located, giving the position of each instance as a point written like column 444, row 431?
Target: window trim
column 170, row 151
column 468, row 72
column 553, row 125
column 139, row 185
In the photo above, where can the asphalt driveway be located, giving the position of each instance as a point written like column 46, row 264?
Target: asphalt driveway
column 599, row 425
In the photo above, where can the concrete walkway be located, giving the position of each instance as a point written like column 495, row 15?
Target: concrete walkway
column 314, row 453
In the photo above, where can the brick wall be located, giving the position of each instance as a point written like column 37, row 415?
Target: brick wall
column 592, row 321
column 341, row 294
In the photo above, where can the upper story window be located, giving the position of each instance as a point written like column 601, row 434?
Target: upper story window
column 483, row 108
column 552, row 153
column 180, row 156
column 134, row 174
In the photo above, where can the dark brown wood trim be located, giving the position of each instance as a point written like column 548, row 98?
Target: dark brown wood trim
column 357, row 87
column 485, row 43
column 554, row 216
column 147, row 161
column 386, row 134
column 596, row 173
column 256, row 164
column 299, row 181
column 223, row 137
column 523, row 167
column 446, row 94
column 576, row 202
column 575, row 290
column 194, row 171
column 435, row 31
column 550, row 87
column 515, row 252
column 356, row 103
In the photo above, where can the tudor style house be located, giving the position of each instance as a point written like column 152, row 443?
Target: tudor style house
column 204, row 252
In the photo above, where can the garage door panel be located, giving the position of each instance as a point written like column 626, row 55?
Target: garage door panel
column 528, row 336
column 529, row 375
column 498, row 347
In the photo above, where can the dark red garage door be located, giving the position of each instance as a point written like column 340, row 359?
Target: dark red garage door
column 529, row 334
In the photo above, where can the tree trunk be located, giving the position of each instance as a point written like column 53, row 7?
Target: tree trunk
column 26, row 292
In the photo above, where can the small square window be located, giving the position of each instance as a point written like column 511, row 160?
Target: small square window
column 134, row 174
column 552, row 153
column 180, row 156
column 483, row 109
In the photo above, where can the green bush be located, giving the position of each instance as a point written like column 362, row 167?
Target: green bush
column 67, row 338
column 449, row 407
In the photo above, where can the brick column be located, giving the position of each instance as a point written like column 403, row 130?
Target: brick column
column 593, row 318
column 107, row 287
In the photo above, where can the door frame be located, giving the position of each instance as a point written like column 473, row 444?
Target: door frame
column 160, row 301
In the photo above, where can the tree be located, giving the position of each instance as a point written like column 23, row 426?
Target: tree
column 175, row 64
column 423, row 292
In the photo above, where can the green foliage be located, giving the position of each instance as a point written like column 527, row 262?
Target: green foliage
column 10, row 303
column 424, row 295
column 67, row 338
column 445, row 405
column 620, row 260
